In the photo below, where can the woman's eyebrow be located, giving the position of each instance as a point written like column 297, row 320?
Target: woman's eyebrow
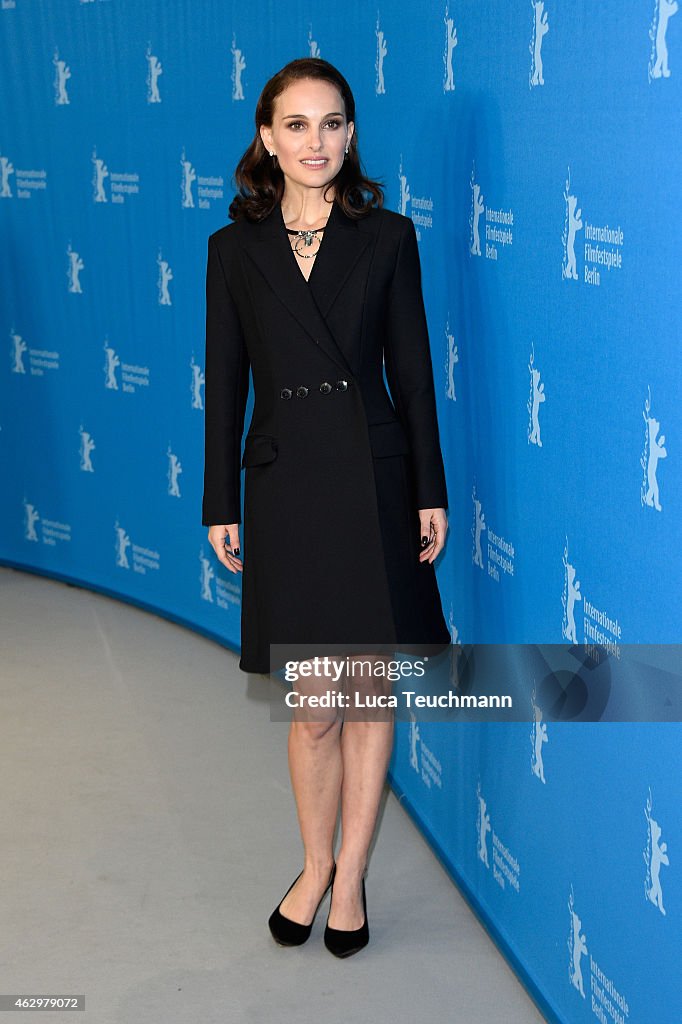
column 303, row 117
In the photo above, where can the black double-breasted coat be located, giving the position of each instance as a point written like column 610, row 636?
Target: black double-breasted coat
column 336, row 468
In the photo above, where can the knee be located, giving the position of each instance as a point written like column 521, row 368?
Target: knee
column 369, row 676
column 316, row 731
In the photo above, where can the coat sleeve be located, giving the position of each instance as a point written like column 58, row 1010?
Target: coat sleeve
column 409, row 372
column 226, row 388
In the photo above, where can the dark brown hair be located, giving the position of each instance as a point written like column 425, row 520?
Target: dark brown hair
column 259, row 178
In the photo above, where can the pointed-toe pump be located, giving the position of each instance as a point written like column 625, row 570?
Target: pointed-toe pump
column 290, row 933
column 344, row 943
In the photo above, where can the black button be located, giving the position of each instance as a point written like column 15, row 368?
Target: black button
column 302, row 391
column 341, row 385
column 285, row 393
column 325, row 387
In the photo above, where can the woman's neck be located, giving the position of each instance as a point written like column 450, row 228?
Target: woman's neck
column 305, row 209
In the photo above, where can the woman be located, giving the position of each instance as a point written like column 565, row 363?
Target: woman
column 315, row 286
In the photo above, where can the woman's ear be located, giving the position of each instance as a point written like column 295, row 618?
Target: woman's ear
column 266, row 137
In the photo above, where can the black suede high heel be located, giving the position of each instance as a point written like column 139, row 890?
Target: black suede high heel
column 290, row 933
column 344, row 943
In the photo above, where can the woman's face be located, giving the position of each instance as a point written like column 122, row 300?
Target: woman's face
column 309, row 132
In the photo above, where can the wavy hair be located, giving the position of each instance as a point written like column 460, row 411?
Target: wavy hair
column 258, row 176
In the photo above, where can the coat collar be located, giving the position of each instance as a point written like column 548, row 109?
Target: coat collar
column 343, row 242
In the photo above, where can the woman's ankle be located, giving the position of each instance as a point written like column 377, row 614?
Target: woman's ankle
column 351, row 867
column 319, row 866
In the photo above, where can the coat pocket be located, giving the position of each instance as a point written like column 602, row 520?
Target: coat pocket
column 388, row 438
column 259, row 449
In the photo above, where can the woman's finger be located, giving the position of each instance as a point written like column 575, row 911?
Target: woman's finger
column 426, row 552
column 219, row 539
column 225, row 556
column 435, row 522
column 427, row 549
column 229, row 558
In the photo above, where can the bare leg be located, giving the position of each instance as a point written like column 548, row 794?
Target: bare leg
column 366, row 746
column 316, row 772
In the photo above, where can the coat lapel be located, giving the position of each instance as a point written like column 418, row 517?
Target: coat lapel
column 267, row 244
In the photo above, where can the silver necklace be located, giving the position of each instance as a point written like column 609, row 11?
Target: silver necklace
column 305, row 239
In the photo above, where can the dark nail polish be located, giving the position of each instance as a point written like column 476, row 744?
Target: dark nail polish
column 236, row 551
column 425, row 541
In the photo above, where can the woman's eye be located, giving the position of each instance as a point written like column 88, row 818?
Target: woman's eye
column 334, row 124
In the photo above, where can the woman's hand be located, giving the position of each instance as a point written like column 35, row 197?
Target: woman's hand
column 219, row 537
column 433, row 525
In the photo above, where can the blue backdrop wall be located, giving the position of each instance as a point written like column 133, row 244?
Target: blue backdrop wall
column 536, row 147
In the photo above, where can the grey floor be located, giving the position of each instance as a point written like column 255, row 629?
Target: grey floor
column 149, row 830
